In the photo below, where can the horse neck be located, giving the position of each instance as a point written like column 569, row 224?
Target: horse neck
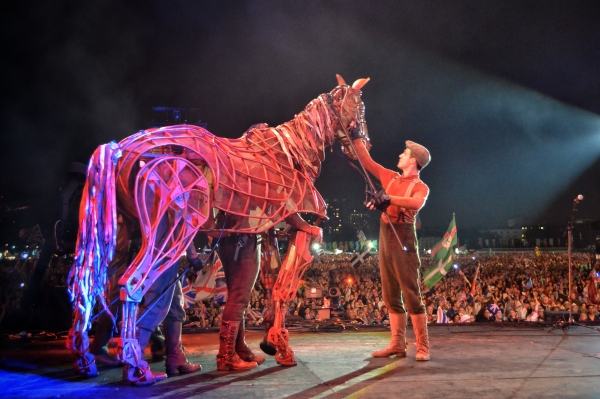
column 307, row 135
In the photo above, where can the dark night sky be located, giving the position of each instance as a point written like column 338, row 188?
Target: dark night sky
column 506, row 95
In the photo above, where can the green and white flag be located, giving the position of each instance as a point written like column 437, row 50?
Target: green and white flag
column 442, row 256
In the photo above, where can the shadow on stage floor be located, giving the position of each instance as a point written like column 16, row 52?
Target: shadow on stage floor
column 477, row 360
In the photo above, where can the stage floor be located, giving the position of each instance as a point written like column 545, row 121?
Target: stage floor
column 480, row 360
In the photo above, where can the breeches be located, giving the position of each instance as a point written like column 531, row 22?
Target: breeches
column 240, row 274
column 400, row 269
column 169, row 307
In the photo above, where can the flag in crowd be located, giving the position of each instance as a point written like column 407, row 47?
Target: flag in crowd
column 441, row 316
column 467, row 282
column 442, row 256
column 189, row 295
column 221, row 288
column 209, row 283
column 474, row 284
column 359, row 258
column 205, row 284
column 361, row 236
column 592, row 291
column 493, row 308
column 535, row 315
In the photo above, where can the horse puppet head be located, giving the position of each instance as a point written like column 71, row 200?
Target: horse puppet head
column 339, row 114
column 350, row 114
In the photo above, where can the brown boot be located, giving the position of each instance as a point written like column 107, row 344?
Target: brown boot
column 242, row 349
column 157, row 347
column 176, row 360
column 398, row 344
column 227, row 359
column 419, row 322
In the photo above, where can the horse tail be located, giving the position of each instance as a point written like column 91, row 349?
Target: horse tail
column 96, row 239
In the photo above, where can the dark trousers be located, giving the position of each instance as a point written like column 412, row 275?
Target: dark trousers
column 240, row 274
column 169, row 307
column 400, row 269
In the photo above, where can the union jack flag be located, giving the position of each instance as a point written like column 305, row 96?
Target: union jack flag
column 189, row 294
column 211, row 283
column 441, row 316
column 220, row 284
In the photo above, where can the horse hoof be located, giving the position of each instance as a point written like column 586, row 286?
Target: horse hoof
column 86, row 366
column 267, row 347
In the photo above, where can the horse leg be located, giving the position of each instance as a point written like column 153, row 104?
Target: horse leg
column 173, row 203
column 270, row 266
column 294, row 265
column 134, row 337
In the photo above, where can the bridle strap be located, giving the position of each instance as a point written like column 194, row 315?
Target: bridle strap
column 366, row 174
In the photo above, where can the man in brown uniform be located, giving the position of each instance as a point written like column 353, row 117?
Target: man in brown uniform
column 403, row 196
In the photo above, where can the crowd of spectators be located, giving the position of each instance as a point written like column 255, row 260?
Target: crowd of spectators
column 204, row 314
column 514, row 287
column 509, row 287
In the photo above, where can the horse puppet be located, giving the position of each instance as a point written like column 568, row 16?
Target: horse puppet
column 175, row 182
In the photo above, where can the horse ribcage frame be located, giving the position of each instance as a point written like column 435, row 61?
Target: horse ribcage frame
column 173, row 203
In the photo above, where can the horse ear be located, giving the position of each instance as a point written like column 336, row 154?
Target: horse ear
column 360, row 83
column 340, row 80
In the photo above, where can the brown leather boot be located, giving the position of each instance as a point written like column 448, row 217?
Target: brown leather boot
column 419, row 322
column 227, row 359
column 242, row 349
column 176, row 360
column 397, row 345
column 157, row 347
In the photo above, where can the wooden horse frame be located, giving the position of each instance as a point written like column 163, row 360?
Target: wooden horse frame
column 185, row 175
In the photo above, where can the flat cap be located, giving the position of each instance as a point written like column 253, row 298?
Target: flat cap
column 420, row 153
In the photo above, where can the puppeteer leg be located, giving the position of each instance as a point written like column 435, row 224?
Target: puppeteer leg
column 242, row 349
column 397, row 345
column 227, row 359
column 98, row 346
column 157, row 346
column 240, row 258
column 176, row 359
column 419, row 322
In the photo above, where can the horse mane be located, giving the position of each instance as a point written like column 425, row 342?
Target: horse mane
column 305, row 137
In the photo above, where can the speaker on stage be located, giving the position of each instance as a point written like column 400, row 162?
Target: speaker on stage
column 324, row 314
column 334, row 292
